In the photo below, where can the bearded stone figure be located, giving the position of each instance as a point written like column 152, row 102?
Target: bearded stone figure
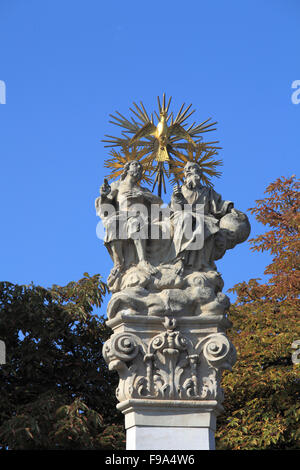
column 203, row 209
column 124, row 208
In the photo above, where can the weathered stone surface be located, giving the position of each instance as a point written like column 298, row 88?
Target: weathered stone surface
column 167, row 293
column 167, row 309
column 169, row 360
column 159, row 276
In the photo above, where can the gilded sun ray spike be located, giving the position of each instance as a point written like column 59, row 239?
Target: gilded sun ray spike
column 168, row 105
column 159, row 105
column 179, row 112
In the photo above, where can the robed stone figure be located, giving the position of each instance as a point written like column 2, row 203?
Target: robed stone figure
column 197, row 211
column 125, row 208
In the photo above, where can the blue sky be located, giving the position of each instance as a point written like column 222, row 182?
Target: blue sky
column 68, row 64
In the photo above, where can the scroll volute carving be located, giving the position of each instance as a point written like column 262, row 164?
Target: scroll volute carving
column 169, row 366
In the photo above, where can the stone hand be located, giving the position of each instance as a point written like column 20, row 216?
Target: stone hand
column 105, row 188
column 177, row 194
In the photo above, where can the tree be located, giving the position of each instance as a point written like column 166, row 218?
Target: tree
column 262, row 392
column 56, row 390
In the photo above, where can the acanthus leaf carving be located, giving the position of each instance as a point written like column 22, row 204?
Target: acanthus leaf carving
column 169, row 366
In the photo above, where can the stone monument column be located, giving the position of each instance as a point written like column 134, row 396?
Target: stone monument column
column 169, row 387
column 167, row 310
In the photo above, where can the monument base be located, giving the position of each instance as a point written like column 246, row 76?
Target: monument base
column 169, row 438
column 170, row 424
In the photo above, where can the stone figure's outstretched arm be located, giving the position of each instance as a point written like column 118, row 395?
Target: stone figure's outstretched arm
column 107, row 196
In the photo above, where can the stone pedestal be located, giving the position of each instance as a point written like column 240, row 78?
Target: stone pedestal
column 169, row 438
column 169, row 425
column 170, row 370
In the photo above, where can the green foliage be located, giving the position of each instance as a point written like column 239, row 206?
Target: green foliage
column 56, row 390
column 263, row 390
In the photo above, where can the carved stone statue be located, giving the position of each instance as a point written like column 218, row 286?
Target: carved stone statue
column 126, row 226
column 167, row 308
column 174, row 275
column 205, row 212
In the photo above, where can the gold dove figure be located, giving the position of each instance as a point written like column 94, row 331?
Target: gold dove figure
column 162, row 133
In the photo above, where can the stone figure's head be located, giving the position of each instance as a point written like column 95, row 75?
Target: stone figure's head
column 192, row 175
column 133, row 168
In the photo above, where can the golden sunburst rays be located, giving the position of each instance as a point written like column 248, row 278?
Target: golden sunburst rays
column 119, row 159
column 204, row 158
column 161, row 138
